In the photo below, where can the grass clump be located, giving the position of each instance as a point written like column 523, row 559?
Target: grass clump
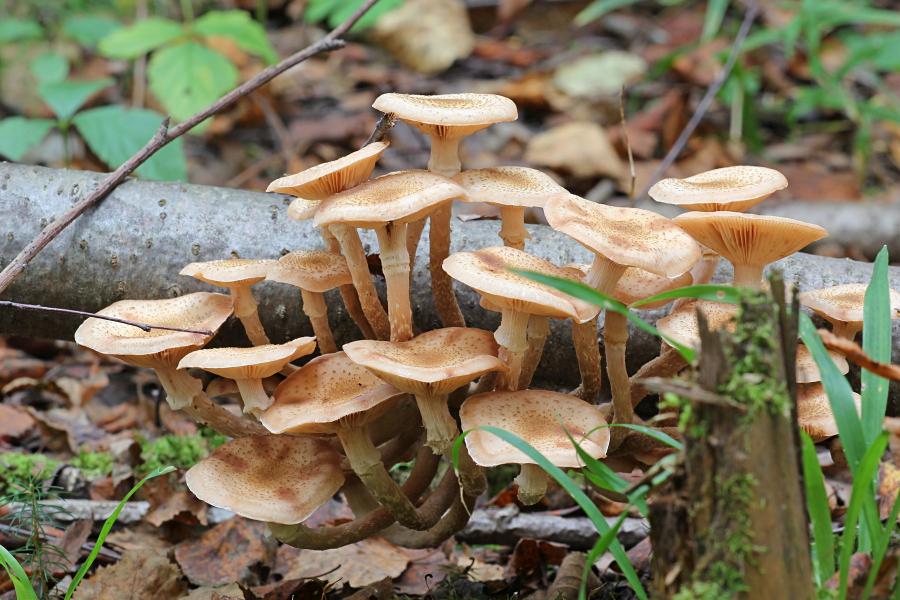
column 180, row 451
column 93, row 464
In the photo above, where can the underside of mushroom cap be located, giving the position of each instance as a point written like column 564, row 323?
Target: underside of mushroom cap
column 157, row 347
column 637, row 284
column 327, row 390
column 630, row 237
column 682, row 326
column 326, row 179
column 541, row 418
column 399, row 197
column 488, row 272
column 448, row 115
column 256, row 362
column 808, row 370
column 814, row 413
column 302, row 209
column 509, row 186
column 229, row 271
column 729, row 188
column 278, row 479
column 438, row 361
column 311, row 270
column 844, row 303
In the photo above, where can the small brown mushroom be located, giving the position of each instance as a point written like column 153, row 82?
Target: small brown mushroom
column 681, row 324
column 842, row 306
column 814, row 411
column 808, row 370
column 729, row 188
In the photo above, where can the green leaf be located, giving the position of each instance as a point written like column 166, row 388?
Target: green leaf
column 14, row 30
column 188, row 77
column 335, row 12
column 880, row 549
column 656, row 434
column 18, row 135
column 140, row 38
column 115, row 133
column 599, row 548
column 706, row 291
column 819, row 511
column 237, row 25
column 712, row 22
column 877, row 344
column 50, row 68
column 65, row 97
column 599, row 8
column 21, row 583
column 88, row 30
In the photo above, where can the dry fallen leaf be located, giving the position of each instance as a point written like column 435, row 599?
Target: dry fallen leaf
column 182, row 506
column 140, row 575
column 581, row 148
column 600, row 74
column 15, row 423
column 227, row 553
column 360, row 564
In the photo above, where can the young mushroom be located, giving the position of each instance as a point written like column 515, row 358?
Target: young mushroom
column 730, row 188
column 842, row 306
column 814, row 413
column 808, row 370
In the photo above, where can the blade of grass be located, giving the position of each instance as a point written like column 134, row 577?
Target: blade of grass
column 599, row 547
column 880, row 548
column 706, row 291
column 712, row 22
column 819, row 512
column 21, row 583
column 659, row 436
column 877, row 344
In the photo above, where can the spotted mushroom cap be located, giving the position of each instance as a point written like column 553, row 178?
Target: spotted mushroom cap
column 257, row 362
column 730, row 188
column 487, row 271
column 326, row 179
column 637, row 284
column 539, row 417
column 682, row 326
column 631, row 237
column 325, row 393
column 157, row 348
column 448, row 115
column 229, row 272
column 438, row 361
column 399, row 197
column 509, row 186
column 844, row 303
column 814, row 411
column 278, row 479
column 311, row 270
column 808, row 370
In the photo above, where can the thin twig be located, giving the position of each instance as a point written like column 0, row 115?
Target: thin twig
column 69, row 311
column 706, row 101
column 165, row 135
column 624, row 125
column 855, row 354
column 384, row 124
column 688, row 390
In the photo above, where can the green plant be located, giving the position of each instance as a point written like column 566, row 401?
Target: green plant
column 17, row 469
column 335, row 12
column 181, row 451
column 93, row 464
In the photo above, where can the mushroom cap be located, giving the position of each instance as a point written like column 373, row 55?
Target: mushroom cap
column 448, row 115
column 814, row 411
column 321, row 181
column 749, row 239
column 729, row 188
column 399, row 197
column 637, row 284
column 682, row 326
column 487, row 272
column 438, row 361
column 311, row 270
column 509, row 186
column 302, row 209
column 326, row 392
column 257, row 362
column 844, row 303
column 158, row 347
column 808, row 370
column 539, row 417
column 278, row 479
column 631, row 237
column 230, row 272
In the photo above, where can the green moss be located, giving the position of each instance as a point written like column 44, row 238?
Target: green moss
column 93, row 464
column 702, row 590
column 18, row 468
column 182, row 452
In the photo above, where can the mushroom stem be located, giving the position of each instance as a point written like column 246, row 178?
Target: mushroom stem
column 604, row 274
column 180, row 387
column 749, row 276
column 615, row 337
column 532, row 482
column 314, row 307
column 444, row 159
column 445, row 303
column 413, row 235
column 353, row 252
column 440, row 426
column 245, row 310
column 844, row 330
column 219, row 418
column 587, row 351
column 667, row 364
column 254, row 396
column 395, row 265
column 538, row 330
column 512, row 226
column 348, row 292
column 511, row 335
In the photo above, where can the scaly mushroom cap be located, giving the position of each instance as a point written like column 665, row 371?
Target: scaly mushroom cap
column 157, row 348
column 627, row 236
column 814, row 411
column 326, row 391
column 278, row 479
column 488, row 272
column 749, row 239
column 808, row 370
column 682, row 326
column 637, row 284
column 539, row 417
column 257, row 362
column 448, row 115
column 399, row 197
column 509, row 186
column 326, row 179
column 844, row 303
column 438, row 362
column 311, row 270
column 230, row 271
column 730, row 188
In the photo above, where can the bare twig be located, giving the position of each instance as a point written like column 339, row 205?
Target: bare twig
column 384, row 124
column 624, row 126
column 855, row 354
column 165, row 135
column 689, row 391
column 69, row 311
column 706, row 101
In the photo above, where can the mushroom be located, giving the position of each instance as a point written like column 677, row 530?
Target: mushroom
column 431, row 366
column 730, row 188
column 681, row 324
column 842, row 306
column 814, row 411
column 488, row 272
column 446, row 119
column 279, row 479
column 249, row 366
column 387, row 204
column 808, row 370
column 543, row 419
column 749, row 242
column 238, row 275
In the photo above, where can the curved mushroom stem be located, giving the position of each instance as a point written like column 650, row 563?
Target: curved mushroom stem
column 667, row 364
column 179, row 385
column 453, row 521
column 445, row 303
column 245, row 310
column 844, row 330
column 486, row 383
column 615, row 337
column 512, row 226
column 532, row 482
column 254, row 396
column 348, row 292
column 440, row 426
column 538, row 330
column 587, row 351
column 353, row 252
column 511, row 335
column 413, row 235
column 314, row 307
column 749, row 276
column 395, row 265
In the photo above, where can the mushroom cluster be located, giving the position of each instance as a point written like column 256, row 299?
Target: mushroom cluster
column 342, row 420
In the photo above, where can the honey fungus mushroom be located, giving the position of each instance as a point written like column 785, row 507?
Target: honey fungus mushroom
column 842, row 306
column 814, row 413
column 729, row 188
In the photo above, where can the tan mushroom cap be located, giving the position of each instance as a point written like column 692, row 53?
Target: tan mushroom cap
column 158, row 347
column 637, row 284
column 814, row 411
column 729, row 188
column 539, row 417
column 230, row 271
column 808, row 370
column 844, row 303
column 509, row 186
column 311, row 270
column 321, row 181
column 399, row 197
column 278, row 479
column 631, row 237
column 682, row 326
column 448, row 115
column 302, row 209
column 257, row 362
column 487, row 272
column 749, row 239
column 325, row 391
column 438, row 361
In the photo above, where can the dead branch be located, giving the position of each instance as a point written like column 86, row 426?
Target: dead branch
column 855, row 354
